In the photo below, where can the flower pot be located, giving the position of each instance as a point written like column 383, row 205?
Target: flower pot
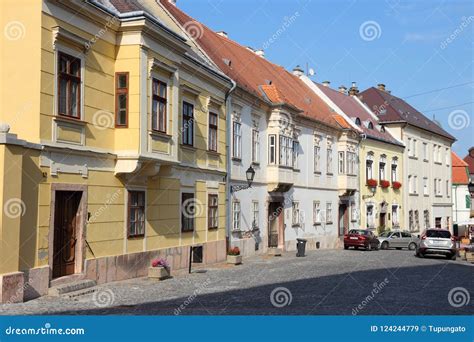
column 234, row 259
column 159, row 273
column 470, row 257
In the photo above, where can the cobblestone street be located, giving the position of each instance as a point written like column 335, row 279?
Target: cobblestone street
column 324, row 282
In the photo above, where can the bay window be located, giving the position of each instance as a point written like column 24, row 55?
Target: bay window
column 272, row 149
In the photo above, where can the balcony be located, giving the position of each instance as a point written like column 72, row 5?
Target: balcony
column 280, row 178
column 347, row 184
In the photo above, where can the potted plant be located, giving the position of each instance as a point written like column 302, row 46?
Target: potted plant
column 371, row 183
column 469, row 256
column 159, row 269
column 233, row 256
column 396, row 185
column 384, row 184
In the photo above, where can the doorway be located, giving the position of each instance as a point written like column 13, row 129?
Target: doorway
column 66, row 232
column 276, row 237
column 343, row 219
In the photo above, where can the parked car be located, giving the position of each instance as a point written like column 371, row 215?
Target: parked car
column 437, row 241
column 361, row 238
column 398, row 240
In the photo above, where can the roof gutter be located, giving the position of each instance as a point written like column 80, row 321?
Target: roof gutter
column 228, row 119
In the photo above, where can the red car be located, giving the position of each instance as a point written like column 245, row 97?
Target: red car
column 361, row 238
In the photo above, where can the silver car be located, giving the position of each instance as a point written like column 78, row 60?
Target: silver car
column 398, row 240
column 437, row 241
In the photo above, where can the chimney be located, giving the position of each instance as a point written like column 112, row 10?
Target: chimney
column 297, row 71
column 222, row 33
column 381, row 86
column 260, row 53
column 342, row 89
column 326, row 83
column 353, row 89
column 173, row 2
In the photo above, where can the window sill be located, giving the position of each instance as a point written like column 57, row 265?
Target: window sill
column 70, row 119
column 213, row 153
column 139, row 236
column 255, row 163
column 438, row 163
column 296, row 225
column 426, row 160
column 413, row 157
column 188, row 147
column 187, row 231
column 329, row 222
column 236, row 159
column 329, row 174
column 212, row 228
column 316, row 223
column 413, row 194
column 158, row 134
column 317, row 173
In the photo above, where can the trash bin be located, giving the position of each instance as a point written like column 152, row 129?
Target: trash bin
column 301, row 247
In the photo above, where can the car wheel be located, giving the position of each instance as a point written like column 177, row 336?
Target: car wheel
column 346, row 247
column 384, row 245
column 412, row 246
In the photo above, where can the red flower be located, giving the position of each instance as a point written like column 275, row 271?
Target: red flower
column 396, row 185
column 371, row 182
column 234, row 251
column 384, row 183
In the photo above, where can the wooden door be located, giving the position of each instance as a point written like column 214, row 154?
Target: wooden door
column 275, row 224
column 66, row 220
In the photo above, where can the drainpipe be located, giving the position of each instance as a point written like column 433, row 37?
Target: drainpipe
column 228, row 195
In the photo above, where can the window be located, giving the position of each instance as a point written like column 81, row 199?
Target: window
column 414, row 143
column 121, row 99
column 328, row 212
column 447, row 156
column 435, row 156
column 286, row 151
column 410, row 149
column 316, row 212
column 317, row 159
column 448, row 222
column 426, row 219
column 439, row 154
column 69, row 85
column 213, row 119
column 425, row 151
column 237, row 140
column 438, row 222
column 370, row 216
column 411, row 222
column 368, row 169
column 417, row 220
column 255, row 214
column 272, row 149
column 255, row 146
column 329, row 160
column 395, row 220
column 410, row 184
column 188, row 207
column 437, row 187
column 425, row 187
column 415, row 184
column 136, row 213
column 236, row 215
column 188, row 124
column 296, row 213
column 296, row 153
column 158, row 107
column 394, row 171
column 448, row 193
column 381, row 171
column 212, row 212
column 341, row 162
column 351, row 163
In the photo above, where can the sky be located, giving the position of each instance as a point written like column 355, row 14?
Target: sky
column 412, row 47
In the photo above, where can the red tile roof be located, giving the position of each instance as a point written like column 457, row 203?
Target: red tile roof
column 469, row 159
column 352, row 108
column 251, row 71
column 341, row 121
column 460, row 170
column 398, row 110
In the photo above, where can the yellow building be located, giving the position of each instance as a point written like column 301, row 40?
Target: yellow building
column 112, row 146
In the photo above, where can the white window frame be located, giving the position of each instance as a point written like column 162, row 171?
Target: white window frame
column 255, row 146
column 426, row 190
column 341, row 162
column 255, row 214
column 236, row 215
column 272, row 149
column 329, row 161
column 236, row 139
column 329, row 213
column 295, row 210
column 317, row 159
column 316, row 212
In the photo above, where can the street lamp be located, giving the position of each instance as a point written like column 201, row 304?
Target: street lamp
column 250, row 174
column 470, row 187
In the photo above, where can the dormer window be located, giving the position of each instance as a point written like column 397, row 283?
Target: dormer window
column 370, row 125
column 357, row 122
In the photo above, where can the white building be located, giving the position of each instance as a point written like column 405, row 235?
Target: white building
column 462, row 201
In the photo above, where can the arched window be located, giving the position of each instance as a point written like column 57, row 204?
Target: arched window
column 357, row 122
column 371, row 125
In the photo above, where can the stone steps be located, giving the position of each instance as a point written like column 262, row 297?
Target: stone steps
column 76, row 286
